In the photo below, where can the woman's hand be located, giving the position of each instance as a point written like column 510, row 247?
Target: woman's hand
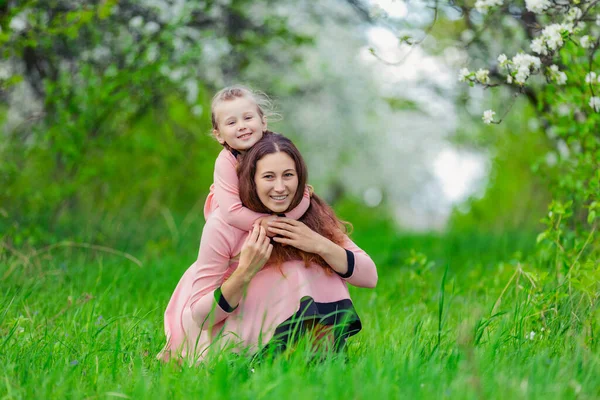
column 256, row 251
column 295, row 233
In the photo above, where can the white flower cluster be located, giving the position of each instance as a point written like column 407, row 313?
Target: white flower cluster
column 482, row 76
column 595, row 103
column 484, row 5
column 574, row 14
column 537, row 6
column 464, row 75
column 551, row 38
column 584, row 42
column 592, row 78
column 521, row 66
column 19, row 23
column 488, row 116
column 557, row 75
column 150, row 28
column 377, row 12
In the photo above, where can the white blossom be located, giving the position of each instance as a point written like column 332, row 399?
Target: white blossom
column 5, row 71
column 463, row 75
column 191, row 89
column 537, row 6
column 197, row 110
column 574, row 14
column 522, row 75
column 538, row 46
column 467, row 35
column 152, row 53
column 488, row 116
column 591, row 77
column 557, row 75
column 598, row 19
column 502, row 59
column 484, row 5
column 376, row 12
column 595, row 103
column 524, row 63
column 585, row 42
column 151, row 28
column 531, row 335
column 136, row 22
column 18, row 23
column 482, row 75
column 553, row 36
column 509, row 79
column 526, row 60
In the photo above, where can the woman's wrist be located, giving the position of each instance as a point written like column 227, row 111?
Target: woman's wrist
column 245, row 274
column 326, row 248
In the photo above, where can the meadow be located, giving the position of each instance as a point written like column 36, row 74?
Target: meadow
column 454, row 315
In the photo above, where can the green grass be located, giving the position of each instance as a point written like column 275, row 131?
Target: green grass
column 83, row 323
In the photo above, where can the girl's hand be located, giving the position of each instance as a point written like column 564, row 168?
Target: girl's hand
column 256, row 251
column 264, row 222
column 295, row 233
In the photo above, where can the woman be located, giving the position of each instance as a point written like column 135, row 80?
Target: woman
column 245, row 292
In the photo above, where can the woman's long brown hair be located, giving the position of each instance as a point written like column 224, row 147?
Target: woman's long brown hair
column 319, row 217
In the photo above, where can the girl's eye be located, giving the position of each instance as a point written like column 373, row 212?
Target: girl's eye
column 230, row 123
column 249, row 117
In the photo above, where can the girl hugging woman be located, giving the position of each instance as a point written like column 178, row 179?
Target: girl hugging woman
column 249, row 293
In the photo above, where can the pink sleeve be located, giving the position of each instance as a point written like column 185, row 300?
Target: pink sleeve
column 212, row 264
column 227, row 194
column 301, row 208
column 361, row 269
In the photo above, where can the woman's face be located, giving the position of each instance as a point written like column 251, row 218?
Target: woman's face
column 276, row 181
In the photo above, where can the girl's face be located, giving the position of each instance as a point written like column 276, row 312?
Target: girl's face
column 239, row 123
column 276, row 181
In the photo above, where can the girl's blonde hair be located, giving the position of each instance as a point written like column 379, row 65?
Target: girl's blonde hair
column 262, row 101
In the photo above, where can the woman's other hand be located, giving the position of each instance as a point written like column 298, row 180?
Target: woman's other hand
column 256, row 251
column 297, row 234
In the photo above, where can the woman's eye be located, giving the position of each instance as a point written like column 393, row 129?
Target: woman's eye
column 268, row 176
column 289, row 174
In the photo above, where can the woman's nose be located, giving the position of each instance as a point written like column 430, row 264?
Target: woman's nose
column 279, row 186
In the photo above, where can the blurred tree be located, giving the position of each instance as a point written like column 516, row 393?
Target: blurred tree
column 102, row 99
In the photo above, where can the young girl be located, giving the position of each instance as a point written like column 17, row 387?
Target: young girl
column 239, row 120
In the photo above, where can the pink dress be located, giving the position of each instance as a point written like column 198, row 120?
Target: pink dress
column 198, row 320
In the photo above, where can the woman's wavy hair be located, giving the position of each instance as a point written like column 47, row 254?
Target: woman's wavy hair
column 319, row 217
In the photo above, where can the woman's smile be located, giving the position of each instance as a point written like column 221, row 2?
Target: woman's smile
column 279, row 198
column 276, row 181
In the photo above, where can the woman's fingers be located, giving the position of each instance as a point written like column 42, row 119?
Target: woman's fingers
column 283, row 240
column 262, row 234
column 282, row 226
column 282, row 232
column 254, row 234
column 269, row 250
column 289, row 221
